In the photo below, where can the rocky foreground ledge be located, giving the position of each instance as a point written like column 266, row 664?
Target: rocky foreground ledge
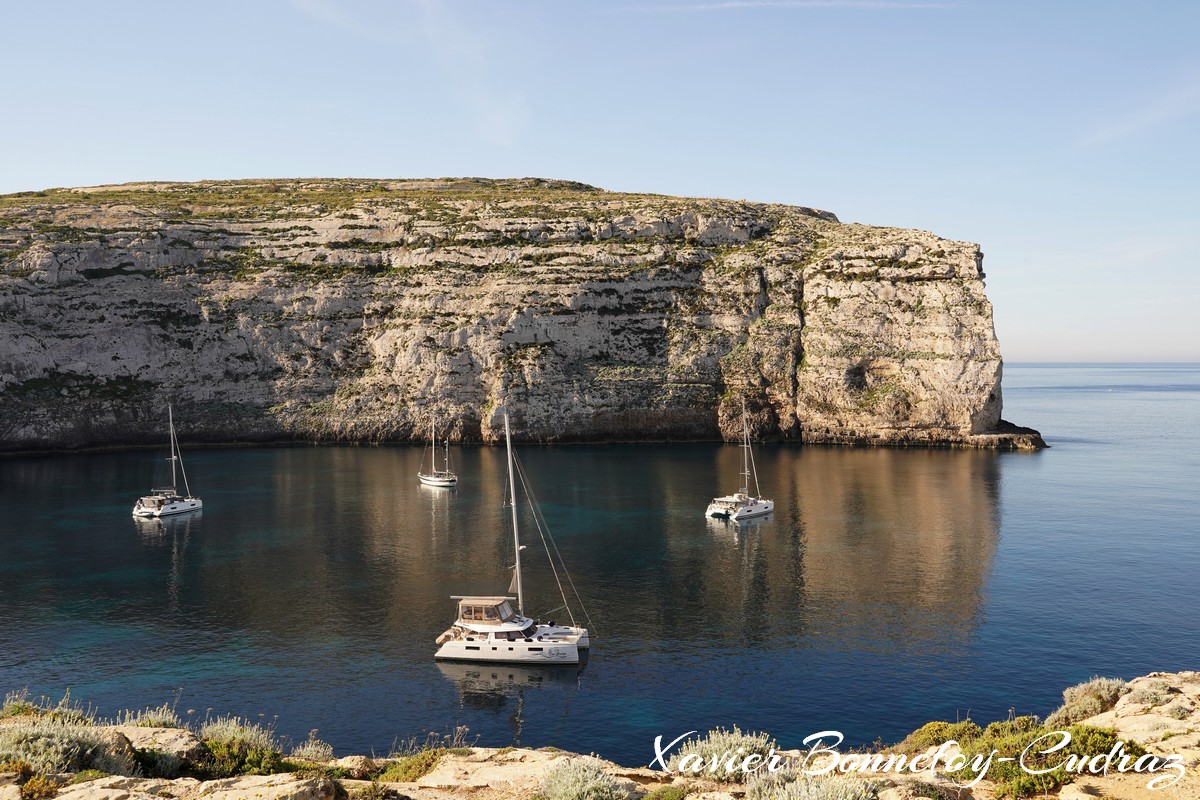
column 366, row 310
column 1155, row 717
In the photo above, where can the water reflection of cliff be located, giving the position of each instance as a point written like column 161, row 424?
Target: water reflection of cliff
column 882, row 547
column 867, row 548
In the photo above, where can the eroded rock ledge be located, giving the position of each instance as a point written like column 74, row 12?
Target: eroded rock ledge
column 1160, row 712
column 358, row 310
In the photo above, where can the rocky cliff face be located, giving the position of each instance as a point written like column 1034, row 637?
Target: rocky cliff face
column 361, row 310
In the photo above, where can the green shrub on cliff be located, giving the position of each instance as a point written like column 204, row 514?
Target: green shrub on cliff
column 157, row 764
column 39, row 787
column 1009, row 740
column 234, row 746
column 933, row 734
column 673, row 792
column 410, row 768
column 577, row 779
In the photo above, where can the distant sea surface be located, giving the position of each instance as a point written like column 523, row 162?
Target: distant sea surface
column 891, row 587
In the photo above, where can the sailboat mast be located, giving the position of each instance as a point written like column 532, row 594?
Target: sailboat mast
column 187, row 490
column 512, row 488
column 745, row 451
column 171, row 434
column 433, row 446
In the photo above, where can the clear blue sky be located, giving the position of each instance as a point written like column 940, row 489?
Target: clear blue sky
column 1063, row 136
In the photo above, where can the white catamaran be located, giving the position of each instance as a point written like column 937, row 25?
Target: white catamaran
column 487, row 628
column 741, row 505
column 165, row 501
column 438, row 477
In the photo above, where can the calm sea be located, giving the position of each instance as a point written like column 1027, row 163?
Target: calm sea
column 891, row 587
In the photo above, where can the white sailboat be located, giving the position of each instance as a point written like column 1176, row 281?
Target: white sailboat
column 488, row 629
column 741, row 505
column 438, row 477
column 166, row 500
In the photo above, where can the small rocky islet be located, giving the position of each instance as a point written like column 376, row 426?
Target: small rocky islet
column 1155, row 716
column 358, row 310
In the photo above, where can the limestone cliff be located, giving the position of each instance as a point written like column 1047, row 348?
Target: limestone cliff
column 355, row 310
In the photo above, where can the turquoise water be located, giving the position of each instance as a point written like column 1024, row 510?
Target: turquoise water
column 889, row 588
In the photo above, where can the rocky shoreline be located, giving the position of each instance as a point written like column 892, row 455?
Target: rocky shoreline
column 1157, row 714
column 363, row 311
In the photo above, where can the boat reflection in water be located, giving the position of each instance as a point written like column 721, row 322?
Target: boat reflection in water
column 155, row 530
column 175, row 531
column 727, row 530
column 491, row 687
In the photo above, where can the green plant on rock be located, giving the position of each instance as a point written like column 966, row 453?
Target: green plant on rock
column 1004, row 745
column 234, row 746
column 673, row 792
column 579, row 779
column 375, row 791
column 22, row 769
column 87, row 775
column 39, row 787
column 933, row 734
column 157, row 764
column 307, row 769
column 410, row 768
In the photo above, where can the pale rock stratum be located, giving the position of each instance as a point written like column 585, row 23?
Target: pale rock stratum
column 357, row 310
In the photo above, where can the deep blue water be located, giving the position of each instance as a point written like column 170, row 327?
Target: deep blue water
column 891, row 587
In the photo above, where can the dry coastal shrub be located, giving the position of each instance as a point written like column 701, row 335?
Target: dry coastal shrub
column 50, row 745
column 1087, row 699
column 577, row 779
column 720, row 754
column 787, row 785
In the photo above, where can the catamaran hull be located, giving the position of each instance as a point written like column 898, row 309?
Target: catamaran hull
column 757, row 510
column 181, row 507
column 509, row 653
column 444, row 483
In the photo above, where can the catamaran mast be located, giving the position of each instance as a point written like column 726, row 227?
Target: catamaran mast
column 175, row 457
column 745, row 451
column 512, row 486
column 174, row 451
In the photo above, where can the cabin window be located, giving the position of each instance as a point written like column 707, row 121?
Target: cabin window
column 532, row 649
column 490, row 614
column 472, row 647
